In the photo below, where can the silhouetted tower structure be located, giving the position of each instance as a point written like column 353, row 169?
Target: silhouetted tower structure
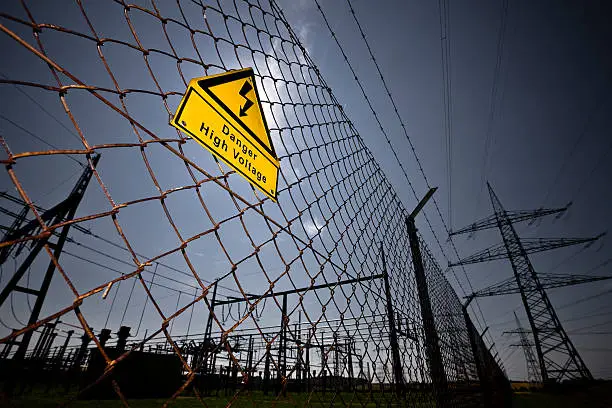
column 533, row 374
column 55, row 240
column 557, row 357
column 547, row 281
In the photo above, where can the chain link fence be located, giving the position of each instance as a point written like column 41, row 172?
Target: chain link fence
column 239, row 300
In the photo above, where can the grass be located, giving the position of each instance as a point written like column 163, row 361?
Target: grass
column 251, row 400
column 599, row 396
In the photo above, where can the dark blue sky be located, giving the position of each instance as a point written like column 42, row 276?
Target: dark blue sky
column 548, row 126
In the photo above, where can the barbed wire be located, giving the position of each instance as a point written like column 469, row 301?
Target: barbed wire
column 412, row 148
column 314, row 321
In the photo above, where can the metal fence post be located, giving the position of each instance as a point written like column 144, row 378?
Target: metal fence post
column 482, row 377
column 397, row 363
column 432, row 342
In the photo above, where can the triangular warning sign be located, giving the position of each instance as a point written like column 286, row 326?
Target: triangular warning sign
column 223, row 114
column 236, row 93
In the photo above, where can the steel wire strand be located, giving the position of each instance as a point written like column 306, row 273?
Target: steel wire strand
column 418, row 161
column 337, row 205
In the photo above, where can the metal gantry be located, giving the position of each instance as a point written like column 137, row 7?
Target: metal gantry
column 557, row 357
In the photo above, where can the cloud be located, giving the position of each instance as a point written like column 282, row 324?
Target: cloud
column 312, row 227
column 273, row 88
column 297, row 12
column 303, row 33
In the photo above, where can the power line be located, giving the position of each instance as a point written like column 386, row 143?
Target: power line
column 120, row 272
column 89, row 232
column 585, row 299
column 35, row 102
column 348, row 198
column 172, row 268
column 568, row 258
column 593, row 326
column 40, row 139
column 58, row 185
column 418, row 161
column 71, row 240
column 501, row 35
column 444, row 21
column 601, row 265
column 601, row 101
column 110, row 309
column 17, row 319
column 590, row 316
column 127, row 263
column 589, row 177
column 382, row 129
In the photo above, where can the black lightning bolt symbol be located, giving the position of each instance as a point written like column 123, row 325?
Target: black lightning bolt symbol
column 246, row 88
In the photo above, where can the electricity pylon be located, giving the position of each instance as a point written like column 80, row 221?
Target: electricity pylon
column 533, row 374
column 60, row 213
column 547, row 280
column 557, row 357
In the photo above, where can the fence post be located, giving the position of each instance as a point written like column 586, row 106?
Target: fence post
column 432, row 342
column 307, row 368
column 482, row 377
column 266, row 379
column 351, row 374
column 397, row 363
column 207, row 345
column 250, row 372
column 282, row 348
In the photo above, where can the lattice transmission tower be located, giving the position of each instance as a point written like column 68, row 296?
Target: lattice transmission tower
column 557, row 357
column 20, row 230
column 547, row 280
column 533, row 373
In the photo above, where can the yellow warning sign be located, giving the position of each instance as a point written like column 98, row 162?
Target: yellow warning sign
column 223, row 113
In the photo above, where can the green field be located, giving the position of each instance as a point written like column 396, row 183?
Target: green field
column 254, row 399
column 599, row 396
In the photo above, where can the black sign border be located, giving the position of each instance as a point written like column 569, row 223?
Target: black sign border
column 184, row 129
column 231, row 76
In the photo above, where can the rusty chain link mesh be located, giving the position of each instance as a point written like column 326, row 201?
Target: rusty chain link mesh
column 205, row 309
